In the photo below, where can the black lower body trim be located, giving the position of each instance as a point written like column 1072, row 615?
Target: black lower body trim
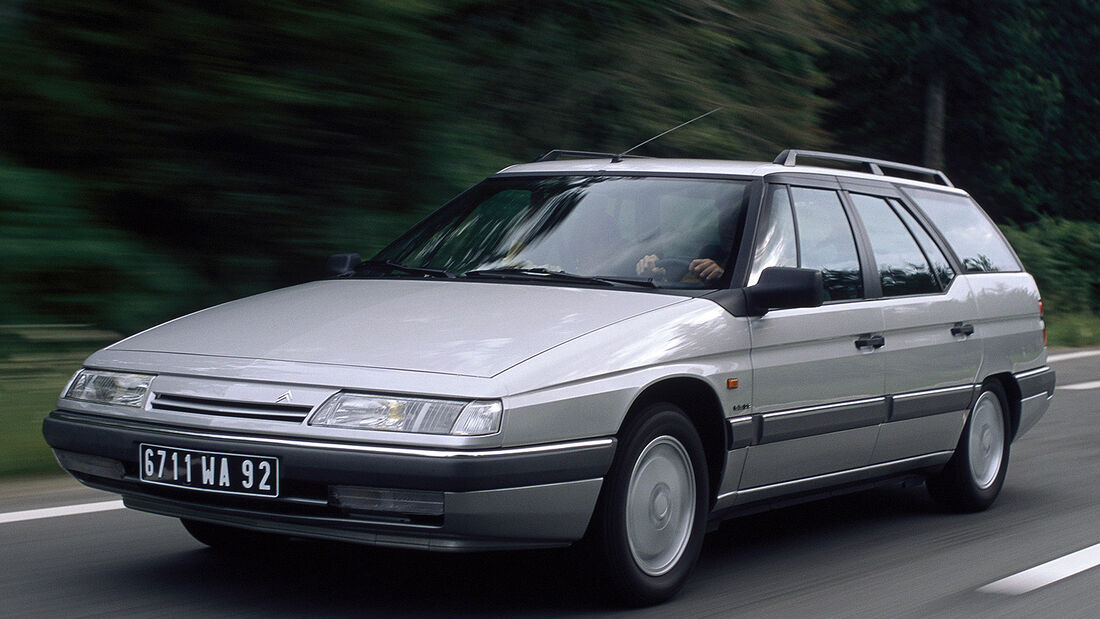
column 928, row 403
column 788, row 425
column 1035, row 382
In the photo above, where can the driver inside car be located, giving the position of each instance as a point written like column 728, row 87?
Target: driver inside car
column 706, row 269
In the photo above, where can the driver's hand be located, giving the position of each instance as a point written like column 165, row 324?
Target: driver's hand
column 648, row 266
column 705, row 269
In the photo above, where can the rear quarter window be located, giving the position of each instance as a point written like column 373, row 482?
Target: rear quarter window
column 976, row 241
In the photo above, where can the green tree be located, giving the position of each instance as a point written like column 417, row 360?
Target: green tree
column 607, row 74
column 239, row 141
column 990, row 69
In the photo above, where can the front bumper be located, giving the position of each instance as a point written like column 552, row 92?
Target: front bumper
column 535, row 496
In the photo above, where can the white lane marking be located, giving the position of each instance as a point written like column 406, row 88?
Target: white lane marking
column 65, row 510
column 1047, row 573
column 1081, row 386
column 1066, row 356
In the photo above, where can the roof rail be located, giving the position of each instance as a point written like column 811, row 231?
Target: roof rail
column 874, row 166
column 558, row 153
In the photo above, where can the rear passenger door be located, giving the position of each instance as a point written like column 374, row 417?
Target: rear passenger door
column 818, row 394
column 930, row 352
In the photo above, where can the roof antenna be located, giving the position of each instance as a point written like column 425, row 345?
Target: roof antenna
column 619, row 157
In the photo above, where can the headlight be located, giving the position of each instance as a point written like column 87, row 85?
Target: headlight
column 378, row 412
column 109, row 387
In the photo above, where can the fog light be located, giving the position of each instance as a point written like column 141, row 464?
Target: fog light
column 89, row 465
column 388, row 501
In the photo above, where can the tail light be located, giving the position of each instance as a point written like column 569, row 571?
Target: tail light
column 1044, row 323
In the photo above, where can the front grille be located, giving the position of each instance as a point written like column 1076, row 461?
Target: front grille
column 293, row 413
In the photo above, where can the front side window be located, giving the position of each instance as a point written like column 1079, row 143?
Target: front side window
column 976, row 241
column 661, row 231
column 902, row 266
column 826, row 242
column 776, row 243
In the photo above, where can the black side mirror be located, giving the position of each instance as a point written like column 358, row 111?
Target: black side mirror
column 785, row 288
column 341, row 265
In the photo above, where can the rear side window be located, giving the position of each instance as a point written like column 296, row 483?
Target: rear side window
column 902, row 267
column 976, row 241
column 940, row 265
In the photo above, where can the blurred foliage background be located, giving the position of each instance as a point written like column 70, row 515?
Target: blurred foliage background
column 161, row 156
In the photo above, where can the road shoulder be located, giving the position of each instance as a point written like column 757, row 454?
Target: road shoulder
column 38, row 492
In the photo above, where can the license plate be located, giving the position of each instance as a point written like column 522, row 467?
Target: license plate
column 211, row 471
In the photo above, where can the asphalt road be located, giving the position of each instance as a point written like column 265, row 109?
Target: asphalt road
column 887, row 552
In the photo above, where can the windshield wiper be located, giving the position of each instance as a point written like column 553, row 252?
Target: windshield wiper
column 560, row 276
column 642, row 282
column 396, row 266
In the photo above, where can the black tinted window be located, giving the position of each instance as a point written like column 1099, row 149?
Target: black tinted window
column 826, row 242
column 976, row 241
column 902, row 266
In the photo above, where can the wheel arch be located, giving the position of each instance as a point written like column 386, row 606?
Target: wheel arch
column 1012, row 394
column 702, row 406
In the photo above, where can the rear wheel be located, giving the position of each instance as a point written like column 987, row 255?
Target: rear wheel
column 648, row 529
column 974, row 476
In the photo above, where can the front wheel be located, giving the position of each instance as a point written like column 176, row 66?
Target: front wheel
column 973, row 477
column 649, row 526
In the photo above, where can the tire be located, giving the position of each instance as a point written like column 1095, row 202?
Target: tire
column 227, row 538
column 649, row 525
column 973, row 478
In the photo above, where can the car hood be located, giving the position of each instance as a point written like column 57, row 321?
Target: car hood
column 450, row 327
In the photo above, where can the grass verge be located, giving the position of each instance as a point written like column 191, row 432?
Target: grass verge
column 1073, row 330
column 28, row 392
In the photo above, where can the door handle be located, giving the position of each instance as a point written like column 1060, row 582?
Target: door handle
column 964, row 329
column 870, row 341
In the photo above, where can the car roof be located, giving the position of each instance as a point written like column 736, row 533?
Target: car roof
column 707, row 167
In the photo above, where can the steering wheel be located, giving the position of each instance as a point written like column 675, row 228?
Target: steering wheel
column 675, row 267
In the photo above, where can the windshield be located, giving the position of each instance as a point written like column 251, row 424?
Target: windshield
column 668, row 232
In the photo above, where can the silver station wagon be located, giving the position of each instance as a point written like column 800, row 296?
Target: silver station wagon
column 610, row 351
